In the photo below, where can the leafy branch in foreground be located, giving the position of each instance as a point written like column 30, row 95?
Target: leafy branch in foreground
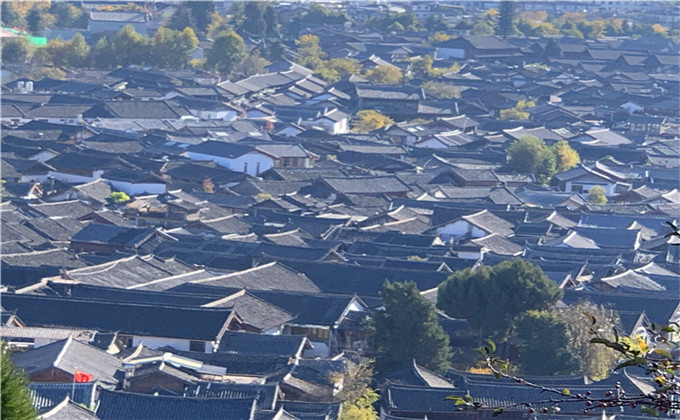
column 658, row 363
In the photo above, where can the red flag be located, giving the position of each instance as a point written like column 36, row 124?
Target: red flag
column 80, row 376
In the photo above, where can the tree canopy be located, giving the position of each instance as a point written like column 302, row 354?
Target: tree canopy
column 384, row 75
column 596, row 361
column 226, row 53
column 490, row 297
column 531, row 154
column 369, row 120
column 506, row 18
column 597, row 195
column 544, row 344
column 16, row 398
column 566, row 157
column 408, row 329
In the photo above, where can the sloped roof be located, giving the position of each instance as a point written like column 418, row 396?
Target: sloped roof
column 271, row 276
column 70, row 355
column 490, row 223
column 95, row 233
column 123, row 317
column 116, row 405
column 49, row 394
column 367, row 185
column 243, row 343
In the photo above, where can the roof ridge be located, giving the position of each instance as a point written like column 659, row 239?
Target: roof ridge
column 67, row 343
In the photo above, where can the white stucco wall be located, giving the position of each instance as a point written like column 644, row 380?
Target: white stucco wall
column 75, row 179
column 238, row 164
column 445, row 53
column 608, row 188
column 137, row 189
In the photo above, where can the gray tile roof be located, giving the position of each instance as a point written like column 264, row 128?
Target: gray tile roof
column 69, row 355
column 117, row 405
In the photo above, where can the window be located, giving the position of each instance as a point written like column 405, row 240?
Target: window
column 245, row 167
column 197, row 346
column 257, row 168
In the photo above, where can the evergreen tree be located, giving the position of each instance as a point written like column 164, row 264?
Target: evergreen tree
column 182, row 18
column 274, row 50
column 16, row 398
column 8, row 14
column 408, row 329
column 271, row 20
column 506, row 18
column 66, row 15
column 254, row 23
column 35, row 20
column 226, row 53
column 544, row 344
column 553, row 49
column 15, row 50
column 482, row 296
column 201, row 12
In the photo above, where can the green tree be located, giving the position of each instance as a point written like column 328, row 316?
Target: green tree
column 226, row 53
column 66, row 15
column 422, row 68
column 362, row 408
column 182, row 18
column 130, row 47
column 481, row 296
column 566, row 157
column 15, row 50
column 35, row 19
column 369, row 120
column 596, row 361
column 597, row 195
column 396, row 27
column 118, row 197
column 435, row 23
column 252, row 64
column 202, row 12
column 103, row 55
column 8, row 14
column 309, row 51
column 531, row 154
column 513, row 114
column 553, row 49
column 254, row 23
column 318, row 14
column 441, row 90
column 16, row 398
column 272, row 21
column 337, row 68
column 407, row 330
column 356, row 394
column 172, row 49
column 506, row 19
column 544, row 344
column 78, row 51
column 482, row 28
column 384, row 75
column 274, row 50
